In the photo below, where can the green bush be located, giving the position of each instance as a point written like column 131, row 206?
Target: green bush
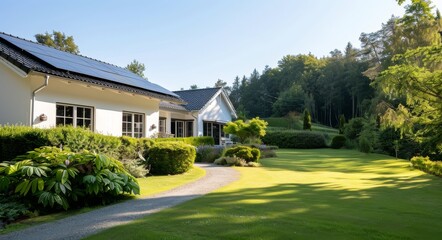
column 49, row 178
column 353, row 128
column 247, row 153
column 17, row 140
column 194, row 141
column 338, row 142
column 295, row 139
column 208, row 154
column 426, row 165
column 267, row 151
column 171, row 157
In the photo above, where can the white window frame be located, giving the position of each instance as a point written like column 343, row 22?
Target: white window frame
column 132, row 132
column 75, row 115
column 162, row 125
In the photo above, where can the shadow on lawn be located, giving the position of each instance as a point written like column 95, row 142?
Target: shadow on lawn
column 407, row 208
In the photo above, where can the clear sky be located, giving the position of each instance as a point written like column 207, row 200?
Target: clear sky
column 185, row 42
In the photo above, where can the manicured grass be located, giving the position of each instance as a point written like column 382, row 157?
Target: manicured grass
column 307, row 194
column 148, row 186
column 156, row 184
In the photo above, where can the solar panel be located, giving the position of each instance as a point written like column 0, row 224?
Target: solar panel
column 83, row 65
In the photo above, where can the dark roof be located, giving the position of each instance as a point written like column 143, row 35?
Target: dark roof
column 30, row 56
column 197, row 98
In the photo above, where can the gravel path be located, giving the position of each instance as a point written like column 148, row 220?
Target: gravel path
column 82, row 225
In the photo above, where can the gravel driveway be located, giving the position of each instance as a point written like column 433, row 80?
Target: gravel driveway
column 82, row 225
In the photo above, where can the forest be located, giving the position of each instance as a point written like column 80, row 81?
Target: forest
column 394, row 79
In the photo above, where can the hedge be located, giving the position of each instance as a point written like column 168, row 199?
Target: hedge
column 17, row 140
column 295, row 139
column 171, row 157
column 194, row 141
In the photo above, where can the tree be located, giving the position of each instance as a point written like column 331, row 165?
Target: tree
column 251, row 130
column 307, row 120
column 58, row 40
column 416, row 76
column 136, row 67
column 194, row 86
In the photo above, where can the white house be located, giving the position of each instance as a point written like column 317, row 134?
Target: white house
column 206, row 112
column 45, row 87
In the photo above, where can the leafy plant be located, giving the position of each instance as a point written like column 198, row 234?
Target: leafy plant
column 338, row 142
column 52, row 177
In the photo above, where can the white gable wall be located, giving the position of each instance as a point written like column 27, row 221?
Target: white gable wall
column 15, row 97
column 216, row 111
column 108, row 105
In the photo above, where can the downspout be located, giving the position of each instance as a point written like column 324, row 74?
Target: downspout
column 33, row 98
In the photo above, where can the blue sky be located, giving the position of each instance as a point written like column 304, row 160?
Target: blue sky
column 199, row 41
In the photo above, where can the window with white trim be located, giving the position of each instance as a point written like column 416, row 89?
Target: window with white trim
column 162, row 125
column 77, row 116
column 133, row 124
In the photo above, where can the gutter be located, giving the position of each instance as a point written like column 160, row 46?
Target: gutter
column 45, row 84
column 196, row 122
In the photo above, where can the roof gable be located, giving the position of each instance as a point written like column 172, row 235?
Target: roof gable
column 197, row 98
column 33, row 56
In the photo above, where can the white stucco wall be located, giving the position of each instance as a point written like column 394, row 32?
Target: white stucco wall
column 108, row 105
column 15, row 97
column 216, row 111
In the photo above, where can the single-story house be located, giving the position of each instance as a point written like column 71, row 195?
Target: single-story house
column 43, row 87
column 206, row 112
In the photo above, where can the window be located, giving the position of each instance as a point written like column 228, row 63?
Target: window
column 181, row 128
column 133, row 124
column 77, row 116
column 162, row 125
column 214, row 130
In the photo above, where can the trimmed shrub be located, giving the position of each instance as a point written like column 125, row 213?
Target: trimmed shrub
column 171, row 157
column 247, row 153
column 338, row 142
column 194, row 141
column 426, row 165
column 17, row 140
column 52, row 178
column 208, row 154
column 295, row 139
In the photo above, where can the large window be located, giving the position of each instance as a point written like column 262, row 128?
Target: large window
column 133, row 124
column 181, row 128
column 214, row 130
column 77, row 116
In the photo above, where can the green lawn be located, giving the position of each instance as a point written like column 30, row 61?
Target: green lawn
column 307, row 194
column 148, row 186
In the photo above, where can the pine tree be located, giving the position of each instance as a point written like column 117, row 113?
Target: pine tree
column 307, row 120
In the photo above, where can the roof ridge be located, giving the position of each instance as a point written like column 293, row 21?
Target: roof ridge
column 10, row 35
column 189, row 90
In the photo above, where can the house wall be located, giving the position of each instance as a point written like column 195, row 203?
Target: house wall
column 215, row 111
column 108, row 105
column 15, row 97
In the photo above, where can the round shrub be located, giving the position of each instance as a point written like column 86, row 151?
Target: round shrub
column 171, row 157
column 338, row 142
column 247, row 153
